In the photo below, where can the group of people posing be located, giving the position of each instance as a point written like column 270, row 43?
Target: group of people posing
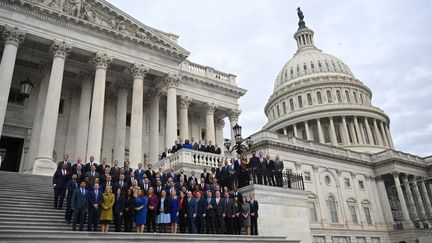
column 203, row 146
column 207, row 203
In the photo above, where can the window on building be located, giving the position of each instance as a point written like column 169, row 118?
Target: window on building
column 291, row 104
column 315, row 133
column 273, row 113
column 338, row 133
column 203, row 133
column 15, row 96
column 347, row 183
column 353, row 213
column 307, row 176
column 376, row 240
column 327, row 180
column 329, row 97
column 338, row 96
column 361, row 98
column 303, row 133
column 361, row 240
column 355, row 97
column 361, row 185
column 319, row 98
column 309, row 99
column 278, row 111
column 367, row 215
column 128, row 119
column 313, row 212
column 331, row 202
column 348, row 99
column 61, row 106
column 326, row 131
column 284, row 107
column 300, row 101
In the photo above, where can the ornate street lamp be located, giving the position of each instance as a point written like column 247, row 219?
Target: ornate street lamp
column 27, row 85
column 241, row 145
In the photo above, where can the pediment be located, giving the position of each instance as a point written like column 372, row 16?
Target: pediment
column 105, row 16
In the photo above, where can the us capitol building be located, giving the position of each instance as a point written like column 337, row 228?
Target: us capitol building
column 84, row 78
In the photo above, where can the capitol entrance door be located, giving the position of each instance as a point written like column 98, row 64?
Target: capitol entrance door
column 10, row 153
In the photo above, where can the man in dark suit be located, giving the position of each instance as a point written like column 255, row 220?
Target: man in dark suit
column 89, row 164
column 210, row 213
column 131, row 177
column 201, row 212
column 115, row 171
column 59, row 182
column 195, row 145
column 210, row 147
column 92, row 174
column 95, row 200
column 65, row 162
column 122, row 184
column 254, row 163
column 229, row 213
column 220, row 213
column 159, row 188
column 237, row 177
column 202, row 185
column 78, row 169
column 217, row 150
column 102, row 166
column 150, row 173
column 71, row 186
column 253, row 214
column 279, row 166
column 206, row 176
column 262, row 170
column 139, row 173
column 192, row 178
column 79, row 205
column 192, row 209
column 171, row 174
column 104, row 176
column 127, row 168
column 236, row 193
column 202, row 147
column 145, row 185
column 270, row 171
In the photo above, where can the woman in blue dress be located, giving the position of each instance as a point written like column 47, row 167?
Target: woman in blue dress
column 164, row 217
column 174, row 212
column 140, row 211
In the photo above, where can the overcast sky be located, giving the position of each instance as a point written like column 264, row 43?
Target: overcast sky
column 387, row 44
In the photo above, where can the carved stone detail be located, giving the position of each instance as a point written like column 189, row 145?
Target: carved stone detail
column 60, row 48
column 210, row 108
column 279, row 200
column 139, row 70
column 122, row 84
column 102, row 60
column 172, row 80
column 86, row 77
column 184, row 102
column 154, row 94
column 12, row 35
column 45, row 67
column 234, row 114
column 220, row 123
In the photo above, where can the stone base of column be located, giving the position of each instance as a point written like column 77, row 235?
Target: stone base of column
column 408, row 224
column 44, row 166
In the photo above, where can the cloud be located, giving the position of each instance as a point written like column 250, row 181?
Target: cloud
column 387, row 45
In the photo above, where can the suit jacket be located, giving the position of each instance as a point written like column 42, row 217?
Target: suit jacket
column 115, row 173
column 139, row 175
column 254, row 162
column 254, row 207
column 130, row 205
column 270, row 166
column 279, row 166
column 119, row 204
column 262, row 165
column 60, row 180
column 192, row 207
column 201, row 206
column 150, row 174
column 237, row 167
column 217, row 150
column 88, row 165
column 184, row 206
column 68, row 165
column 211, row 211
column 127, row 170
column 123, row 188
column 166, row 205
column 195, row 146
column 193, row 179
column 79, row 200
column 93, row 199
column 92, row 178
column 101, row 168
column 71, row 186
column 206, row 177
column 219, row 207
column 210, row 149
column 74, row 167
column 229, row 207
column 202, row 148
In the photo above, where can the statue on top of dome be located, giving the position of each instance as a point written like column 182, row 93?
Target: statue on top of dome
column 301, row 23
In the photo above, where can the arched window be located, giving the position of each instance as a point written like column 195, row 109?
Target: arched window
column 348, row 99
column 273, row 113
column 338, row 133
column 338, row 96
column 355, row 97
column 331, row 203
column 329, row 97
column 309, row 99
column 284, row 107
column 319, row 64
column 300, row 101
column 361, row 98
column 319, row 98
column 315, row 134
column 326, row 131
column 278, row 111
column 291, row 104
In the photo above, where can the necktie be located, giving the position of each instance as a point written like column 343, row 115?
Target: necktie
column 96, row 192
column 93, row 174
column 121, row 183
column 64, row 172
column 82, row 192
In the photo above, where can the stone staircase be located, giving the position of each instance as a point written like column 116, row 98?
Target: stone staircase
column 27, row 215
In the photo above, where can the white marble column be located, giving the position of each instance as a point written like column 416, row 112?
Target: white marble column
column 377, row 133
column 184, row 103
column 285, row 132
column 295, row 130
column 210, row 109
column 233, row 118
column 45, row 69
column 346, row 139
column 102, row 61
column 369, row 131
column 384, row 136
column 83, row 115
column 220, row 124
column 320, row 132
column 172, row 82
column 418, row 200
column 154, row 150
column 121, row 114
column 358, row 131
column 407, row 223
column 138, row 72
column 333, row 138
column 12, row 38
column 308, row 136
column 410, row 199
column 353, row 133
column 389, row 136
column 44, row 164
column 426, row 198
column 383, row 197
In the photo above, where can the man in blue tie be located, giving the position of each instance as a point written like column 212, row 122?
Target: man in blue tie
column 95, row 200
column 79, row 205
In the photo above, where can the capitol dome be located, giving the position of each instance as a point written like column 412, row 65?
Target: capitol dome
column 317, row 98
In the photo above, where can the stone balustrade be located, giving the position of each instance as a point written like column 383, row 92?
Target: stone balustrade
column 208, row 72
column 394, row 154
column 189, row 159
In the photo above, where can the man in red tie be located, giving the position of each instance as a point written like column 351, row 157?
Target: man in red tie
column 60, row 179
column 65, row 162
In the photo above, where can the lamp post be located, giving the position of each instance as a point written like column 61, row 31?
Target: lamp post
column 241, row 145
